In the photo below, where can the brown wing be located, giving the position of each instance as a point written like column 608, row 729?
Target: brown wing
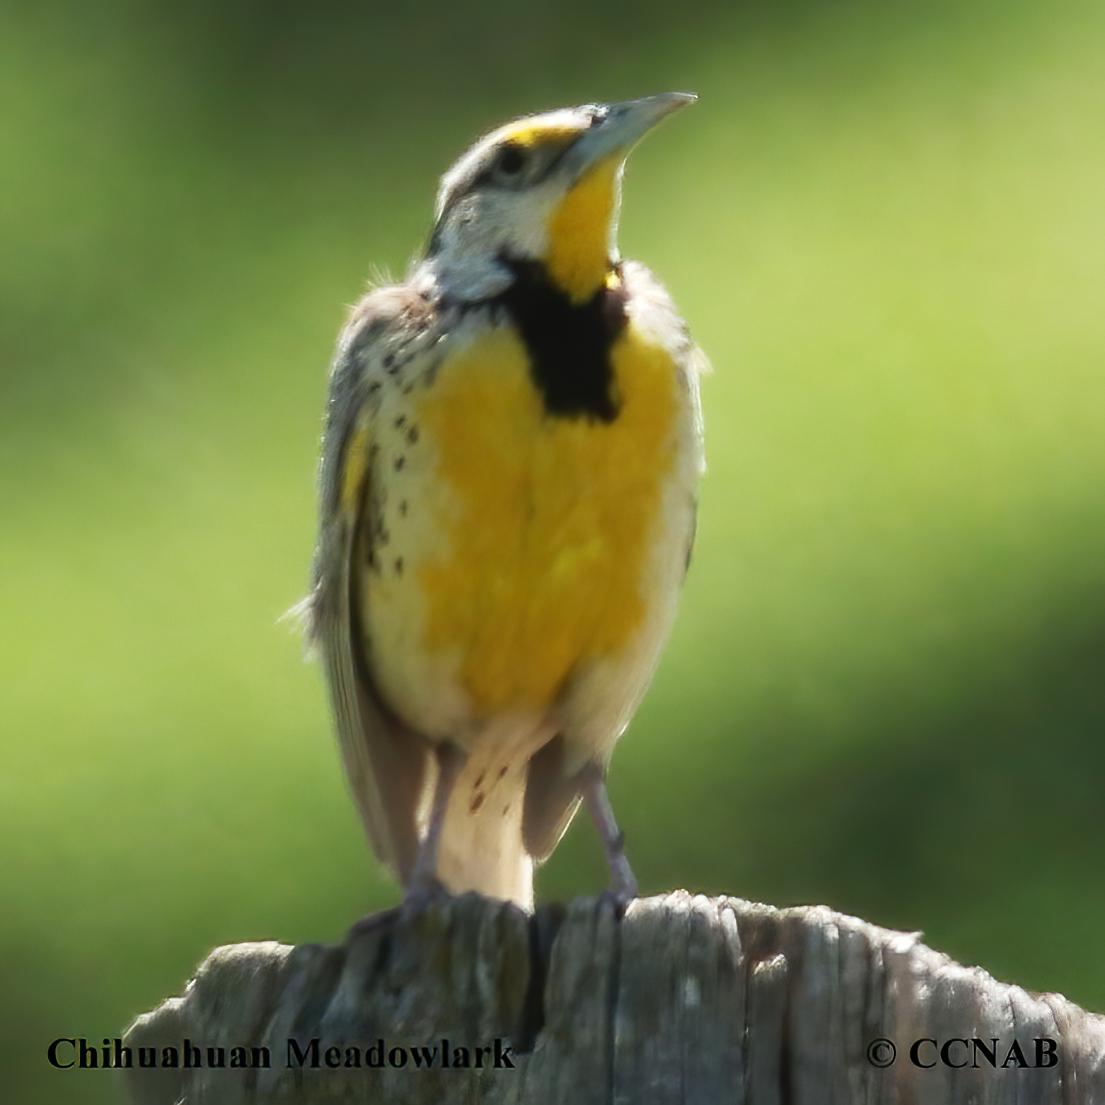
column 552, row 799
column 386, row 763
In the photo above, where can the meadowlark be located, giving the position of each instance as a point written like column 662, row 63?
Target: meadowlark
column 507, row 493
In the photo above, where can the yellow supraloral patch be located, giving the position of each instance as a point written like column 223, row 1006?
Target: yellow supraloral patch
column 543, row 567
column 528, row 134
column 578, row 255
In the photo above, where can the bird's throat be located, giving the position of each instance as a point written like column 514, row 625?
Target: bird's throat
column 578, row 256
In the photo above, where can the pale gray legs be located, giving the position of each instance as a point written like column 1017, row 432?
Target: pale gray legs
column 424, row 886
column 592, row 788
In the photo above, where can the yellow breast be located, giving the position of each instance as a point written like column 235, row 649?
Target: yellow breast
column 542, row 566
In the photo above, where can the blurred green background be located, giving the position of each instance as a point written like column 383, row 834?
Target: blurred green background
column 886, row 690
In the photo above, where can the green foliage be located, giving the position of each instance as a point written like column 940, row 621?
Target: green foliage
column 884, row 691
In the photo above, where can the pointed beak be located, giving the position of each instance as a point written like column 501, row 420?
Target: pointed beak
column 619, row 127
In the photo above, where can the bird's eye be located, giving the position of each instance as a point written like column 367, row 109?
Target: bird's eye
column 511, row 161
column 598, row 114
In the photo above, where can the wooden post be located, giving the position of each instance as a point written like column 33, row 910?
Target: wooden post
column 684, row 999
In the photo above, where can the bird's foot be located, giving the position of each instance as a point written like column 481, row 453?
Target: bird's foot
column 421, row 894
column 623, row 885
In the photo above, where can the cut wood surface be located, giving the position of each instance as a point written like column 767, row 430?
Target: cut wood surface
column 683, row 999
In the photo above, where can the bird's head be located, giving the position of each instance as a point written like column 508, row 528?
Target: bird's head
column 542, row 190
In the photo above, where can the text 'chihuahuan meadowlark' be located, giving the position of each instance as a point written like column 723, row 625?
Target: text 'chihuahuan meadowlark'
column 511, row 454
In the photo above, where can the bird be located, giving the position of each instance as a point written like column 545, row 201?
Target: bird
column 507, row 495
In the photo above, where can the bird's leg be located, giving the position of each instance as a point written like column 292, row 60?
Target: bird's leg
column 424, row 886
column 592, row 788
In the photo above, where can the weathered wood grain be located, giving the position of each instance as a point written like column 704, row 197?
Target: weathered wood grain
column 684, row 999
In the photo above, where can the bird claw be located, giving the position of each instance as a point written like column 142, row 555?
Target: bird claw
column 421, row 895
column 619, row 896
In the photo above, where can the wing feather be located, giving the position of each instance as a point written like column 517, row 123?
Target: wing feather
column 387, row 764
column 552, row 798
